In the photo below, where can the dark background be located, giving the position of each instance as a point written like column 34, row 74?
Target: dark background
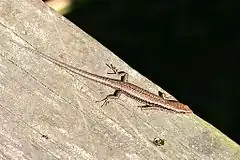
column 190, row 48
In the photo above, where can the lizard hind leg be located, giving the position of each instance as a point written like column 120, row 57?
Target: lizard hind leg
column 124, row 75
column 106, row 100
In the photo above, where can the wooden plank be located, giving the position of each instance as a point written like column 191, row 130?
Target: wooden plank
column 49, row 113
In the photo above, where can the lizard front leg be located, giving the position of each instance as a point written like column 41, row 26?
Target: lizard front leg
column 164, row 96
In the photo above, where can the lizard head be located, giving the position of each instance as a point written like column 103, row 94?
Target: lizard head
column 180, row 107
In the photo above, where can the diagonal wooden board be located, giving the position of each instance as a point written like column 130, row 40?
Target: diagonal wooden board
column 49, row 113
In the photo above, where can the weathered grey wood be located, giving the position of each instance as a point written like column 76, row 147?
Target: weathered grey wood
column 48, row 113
